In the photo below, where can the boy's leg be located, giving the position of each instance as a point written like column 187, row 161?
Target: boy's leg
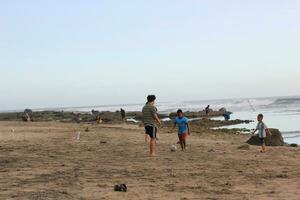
column 153, row 141
column 263, row 145
column 181, row 142
column 152, row 147
column 184, row 140
column 182, row 145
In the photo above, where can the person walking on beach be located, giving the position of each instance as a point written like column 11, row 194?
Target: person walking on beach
column 183, row 128
column 262, row 132
column 207, row 110
column 151, row 120
column 123, row 114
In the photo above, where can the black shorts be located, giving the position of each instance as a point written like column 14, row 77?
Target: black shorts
column 262, row 140
column 151, row 131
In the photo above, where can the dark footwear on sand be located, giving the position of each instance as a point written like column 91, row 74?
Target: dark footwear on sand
column 121, row 188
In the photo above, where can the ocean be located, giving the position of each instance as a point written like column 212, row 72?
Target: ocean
column 282, row 113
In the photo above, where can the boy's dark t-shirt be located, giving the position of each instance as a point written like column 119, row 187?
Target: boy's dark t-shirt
column 148, row 115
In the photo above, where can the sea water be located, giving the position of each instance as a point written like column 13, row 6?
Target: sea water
column 282, row 113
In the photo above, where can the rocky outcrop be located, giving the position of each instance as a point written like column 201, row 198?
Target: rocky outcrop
column 275, row 139
column 199, row 114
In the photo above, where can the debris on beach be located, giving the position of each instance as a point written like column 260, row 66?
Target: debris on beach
column 120, row 188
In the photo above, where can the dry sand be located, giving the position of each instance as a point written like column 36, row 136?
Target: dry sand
column 45, row 161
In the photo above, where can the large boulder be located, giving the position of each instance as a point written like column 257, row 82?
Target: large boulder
column 275, row 140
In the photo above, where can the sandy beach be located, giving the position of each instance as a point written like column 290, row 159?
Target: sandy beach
column 44, row 160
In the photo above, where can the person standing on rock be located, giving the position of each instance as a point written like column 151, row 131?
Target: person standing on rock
column 123, row 114
column 207, row 110
column 262, row 132
column 151, row 120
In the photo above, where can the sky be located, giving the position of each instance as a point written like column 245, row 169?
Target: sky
column 61, row 53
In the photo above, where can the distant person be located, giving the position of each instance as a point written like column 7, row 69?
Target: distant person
column 183, row 128
column 98, row 119
column 27, row 117
column 207, row 110
column 150, row 120
column 226, row 115
column 262, row 132
column 123, row 114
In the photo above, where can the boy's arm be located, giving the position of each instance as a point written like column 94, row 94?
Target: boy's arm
column 189, row 128
column 155, row 116
column 254, row 131
column 157, row 119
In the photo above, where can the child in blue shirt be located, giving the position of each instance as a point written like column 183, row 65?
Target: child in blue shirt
column 183, row 128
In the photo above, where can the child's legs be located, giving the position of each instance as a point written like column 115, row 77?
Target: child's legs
column 151, row 131
column 182, row 139
column 152, row 146
column 184, row 143
column 184, row 136
column 263, row 144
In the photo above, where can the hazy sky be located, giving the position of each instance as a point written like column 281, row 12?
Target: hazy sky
column 92, row 52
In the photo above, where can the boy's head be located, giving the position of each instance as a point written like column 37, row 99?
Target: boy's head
column 260, row 117
column 179, row 113
column 151, row 98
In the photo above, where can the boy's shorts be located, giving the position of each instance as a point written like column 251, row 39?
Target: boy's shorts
column 182, row 136
column 151, row 131
column 262, row 140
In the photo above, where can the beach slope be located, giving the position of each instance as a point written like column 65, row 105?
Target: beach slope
column 45, row 160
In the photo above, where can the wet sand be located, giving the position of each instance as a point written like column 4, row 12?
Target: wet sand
column 44, row 160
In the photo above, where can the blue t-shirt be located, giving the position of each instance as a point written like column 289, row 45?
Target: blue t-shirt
column 182, row 124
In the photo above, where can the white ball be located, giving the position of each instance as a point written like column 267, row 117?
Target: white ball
column 173, row 147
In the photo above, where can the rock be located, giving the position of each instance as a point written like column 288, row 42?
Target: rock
column 275, row 140
column 244, row 147
column 293, row 145
column 223, row 110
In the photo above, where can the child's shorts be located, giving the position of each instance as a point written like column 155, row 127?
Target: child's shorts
column 182, row 136
column 262, row 140
column 151, row 131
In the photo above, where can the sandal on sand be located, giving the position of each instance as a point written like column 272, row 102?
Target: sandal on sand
column 121, row 188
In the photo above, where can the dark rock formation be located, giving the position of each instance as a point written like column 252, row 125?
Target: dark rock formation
column 275, row 139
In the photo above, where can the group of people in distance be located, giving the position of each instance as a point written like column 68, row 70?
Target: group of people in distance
column 151, row 122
